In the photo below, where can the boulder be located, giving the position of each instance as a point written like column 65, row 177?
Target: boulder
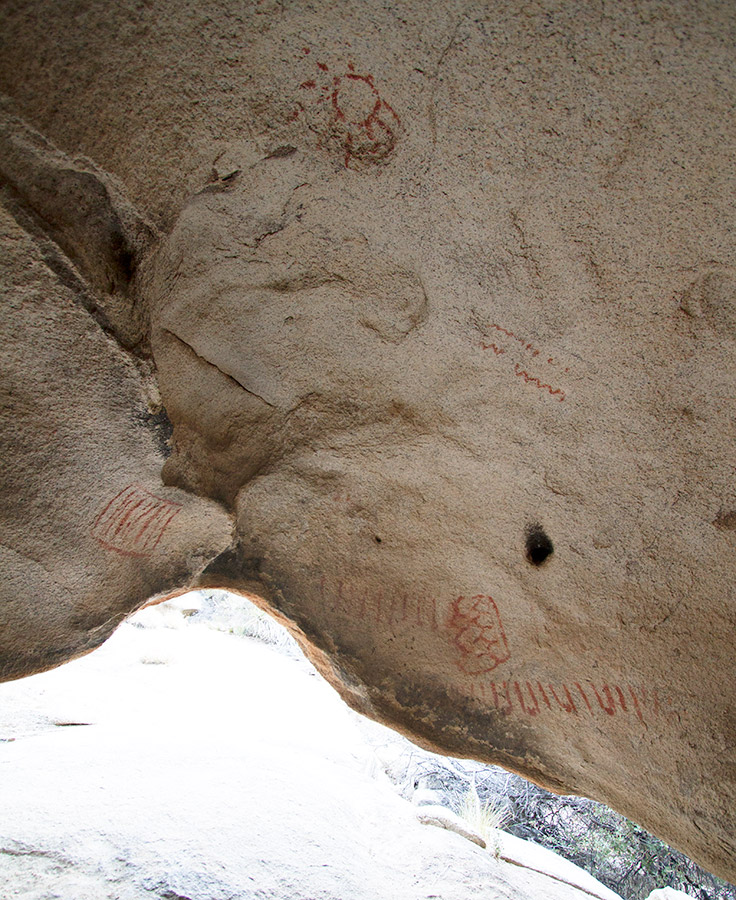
column 186, row 781
column 529, row 855
column 668, row 893
column 418, row 329
column 446, row 818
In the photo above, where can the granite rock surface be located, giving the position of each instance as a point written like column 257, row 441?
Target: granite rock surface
column 421, row 329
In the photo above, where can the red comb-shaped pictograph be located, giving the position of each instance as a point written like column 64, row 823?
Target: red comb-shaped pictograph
column 134, row 521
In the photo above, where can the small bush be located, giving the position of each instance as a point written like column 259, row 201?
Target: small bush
column 486, row 818
column 236, row 615
column 619, row 853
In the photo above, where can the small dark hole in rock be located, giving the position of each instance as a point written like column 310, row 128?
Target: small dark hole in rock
column 538, row 545
column 377, row 539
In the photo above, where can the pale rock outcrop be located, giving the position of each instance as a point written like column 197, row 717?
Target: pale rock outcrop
column 512, row 849
column 210, row 767
column 446, row 818
column 440, row 310
column 668, row 893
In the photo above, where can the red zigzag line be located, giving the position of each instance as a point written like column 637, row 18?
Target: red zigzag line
column 524, row 344
column 530, row 379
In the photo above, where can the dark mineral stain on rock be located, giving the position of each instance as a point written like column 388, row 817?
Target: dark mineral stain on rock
column 726, row 520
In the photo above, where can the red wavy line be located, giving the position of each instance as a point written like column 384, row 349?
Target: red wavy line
column 530, row 379
column 524, row 344
column 497, row 350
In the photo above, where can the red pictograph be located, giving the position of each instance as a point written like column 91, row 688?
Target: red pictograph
column 508, row 343
column 395, row 608
column 345, row 108
column 478, row 634
column 532, row 698
column 134, row 521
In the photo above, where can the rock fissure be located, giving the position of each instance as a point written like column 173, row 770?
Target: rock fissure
column 215, row 366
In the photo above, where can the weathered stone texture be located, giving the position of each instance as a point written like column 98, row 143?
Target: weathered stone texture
column 441, row 310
